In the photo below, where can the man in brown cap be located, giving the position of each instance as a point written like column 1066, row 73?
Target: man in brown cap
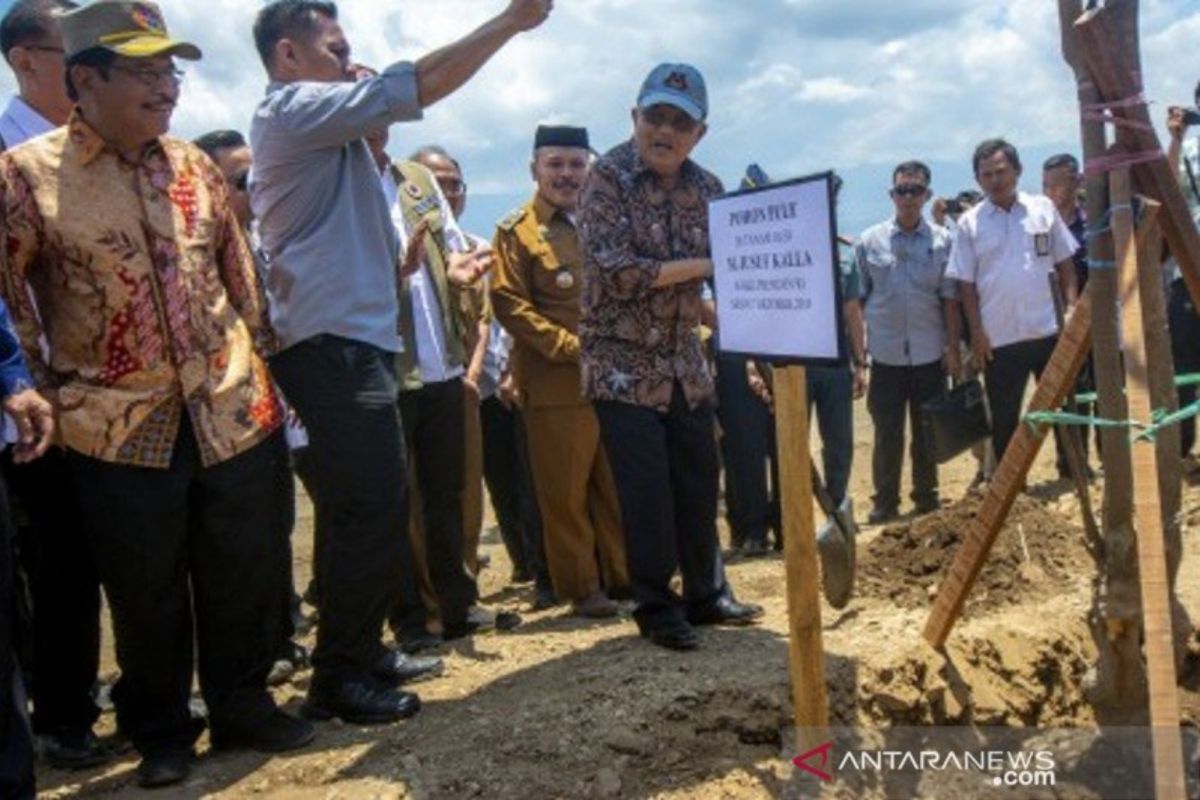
column 536, row 298
column 155, row 327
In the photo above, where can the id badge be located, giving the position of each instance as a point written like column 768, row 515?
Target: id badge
column 1041, row 243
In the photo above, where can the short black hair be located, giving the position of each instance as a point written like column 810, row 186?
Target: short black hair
column 992, row 146
column 970, row 197
column 213, row 141
column 1196, row 93
column 1061, row 160
column 435, row 150
column 29, row 21
column 100, row 58
column 287, row 19
column 913, row 168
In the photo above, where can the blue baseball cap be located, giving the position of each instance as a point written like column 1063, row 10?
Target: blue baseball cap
column 678, row 85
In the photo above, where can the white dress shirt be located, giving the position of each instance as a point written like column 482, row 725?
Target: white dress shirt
column 19, row 123
column 428, row 326
column 1010, row 257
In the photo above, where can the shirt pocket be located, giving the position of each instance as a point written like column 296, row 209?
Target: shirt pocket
column 989, row 243
column 1038, row 245
column 553, row 281
column 881, row 269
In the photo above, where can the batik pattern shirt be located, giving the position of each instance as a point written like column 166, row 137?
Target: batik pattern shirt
column 145, row 291
column 637, row 340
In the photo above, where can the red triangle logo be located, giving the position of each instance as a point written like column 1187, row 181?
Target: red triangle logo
column 821, row 751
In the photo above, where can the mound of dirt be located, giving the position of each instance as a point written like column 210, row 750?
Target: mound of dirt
column 1038, row 552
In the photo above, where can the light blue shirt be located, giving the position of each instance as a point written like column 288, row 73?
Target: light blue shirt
column 904, row 282
column 327, row 234
column 19, row 123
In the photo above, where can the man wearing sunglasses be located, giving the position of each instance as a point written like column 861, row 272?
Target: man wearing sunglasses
column 906, row 299
column 644, row 229
column 123, row 252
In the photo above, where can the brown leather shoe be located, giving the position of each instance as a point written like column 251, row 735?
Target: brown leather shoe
column 596, row 605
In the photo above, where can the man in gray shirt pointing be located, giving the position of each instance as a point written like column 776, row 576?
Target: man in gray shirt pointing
column 333, row 262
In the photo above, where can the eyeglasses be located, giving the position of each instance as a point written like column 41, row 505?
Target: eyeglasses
column 909, row 190
column 241, row 181
column 677, row 120
column 153, row 77
column 452, row 187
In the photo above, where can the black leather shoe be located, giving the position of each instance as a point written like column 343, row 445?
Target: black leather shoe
column 73, row 750
column 753, row 548
column 728, row 611
column 416, row 642
column 164, row 769
column 359, row 702
column 275, row 732
column 880, row 515
column 544, row 598
column 396, row 668
column 673, row 636
column 928, row 506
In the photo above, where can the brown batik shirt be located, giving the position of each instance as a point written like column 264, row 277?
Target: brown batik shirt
column 146, row 297
column 637, row 341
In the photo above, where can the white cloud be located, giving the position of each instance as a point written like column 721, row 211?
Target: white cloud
column 798, row 85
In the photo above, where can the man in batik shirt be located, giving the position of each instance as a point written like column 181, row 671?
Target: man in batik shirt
column 154, row 321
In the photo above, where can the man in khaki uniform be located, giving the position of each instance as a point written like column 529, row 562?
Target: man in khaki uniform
column 535, row 295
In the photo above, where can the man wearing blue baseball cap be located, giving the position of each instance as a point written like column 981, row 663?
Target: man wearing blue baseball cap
column 644, row 226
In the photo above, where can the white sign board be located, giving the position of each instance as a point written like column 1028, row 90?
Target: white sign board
column 776, row 273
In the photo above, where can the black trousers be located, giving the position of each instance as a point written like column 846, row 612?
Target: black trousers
column 65, row 590
column 344, row 392
column 1185, row 344
column 510, row 485
column 896, row 394
column 16, row 747
column 666, row 471
column 1006, row 377
column 747, row 442
column 434, row 435
column 188, row 552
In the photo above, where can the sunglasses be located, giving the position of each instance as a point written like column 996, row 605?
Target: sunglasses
column 909, row 190
column 241, row 181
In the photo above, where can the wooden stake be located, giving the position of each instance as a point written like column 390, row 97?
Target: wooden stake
column 1152, row 559
column 1057, row 380
column 800, row 558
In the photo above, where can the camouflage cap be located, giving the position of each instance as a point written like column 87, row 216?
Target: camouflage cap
column 133, row 29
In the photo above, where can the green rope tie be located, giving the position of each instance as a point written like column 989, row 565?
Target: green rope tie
column 1191, row 379
column 1147, row 432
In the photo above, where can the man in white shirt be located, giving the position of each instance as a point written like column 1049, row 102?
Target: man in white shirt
column 1008, row 253
column 54, row 552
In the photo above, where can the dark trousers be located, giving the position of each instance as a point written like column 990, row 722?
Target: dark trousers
column 16, row 748
column 896, row 394
column 183, row 544
column 1185, row 344
column 746, row 444
column 831, row 393
column 65, row 592
column 1006, row 376
column 510, row 485
column 666, row 471
column 344, row 392
column 434, row 435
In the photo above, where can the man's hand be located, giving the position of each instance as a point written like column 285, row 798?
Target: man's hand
column 981, row 349
column 34, row 417
column 415, row 250
column 471, row 387
column 525, row 15
column 467, row 268
column 1175, row 124
column 508, row 393
column 758, row 384
column 952, row 362
column 860, row 381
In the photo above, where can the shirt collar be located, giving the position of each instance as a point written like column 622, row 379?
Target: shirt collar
column 992, row 208
column 922, row 228
column 88, row 144
column 25, row 119
column 544, row 212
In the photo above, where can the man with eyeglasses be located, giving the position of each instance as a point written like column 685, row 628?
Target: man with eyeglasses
column 156, row 327
column 906, row 300
column 644, row 229
column 55, row 559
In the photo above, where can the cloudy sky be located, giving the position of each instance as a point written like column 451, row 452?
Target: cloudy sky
column 796, row 85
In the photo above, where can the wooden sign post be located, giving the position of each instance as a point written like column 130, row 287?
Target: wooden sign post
column 1152, row 558
column 806, row 649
